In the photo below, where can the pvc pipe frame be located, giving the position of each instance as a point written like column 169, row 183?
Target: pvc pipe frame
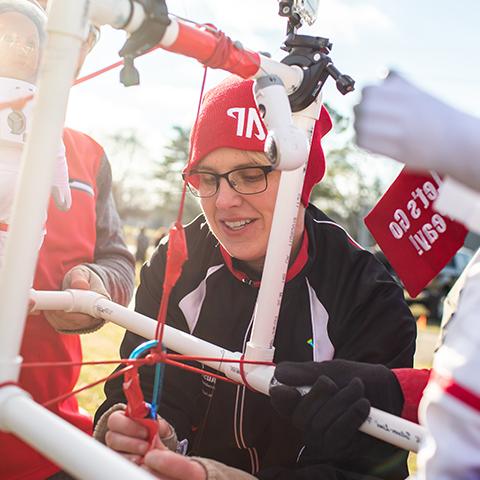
column 379, row 424
column 60, row 441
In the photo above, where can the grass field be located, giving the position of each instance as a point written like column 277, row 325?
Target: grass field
column 101, row 345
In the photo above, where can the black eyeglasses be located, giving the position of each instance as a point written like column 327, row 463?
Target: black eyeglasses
column 244, row 180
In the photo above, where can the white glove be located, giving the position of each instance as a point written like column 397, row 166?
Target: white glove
column 61, row 187
column 400, row 121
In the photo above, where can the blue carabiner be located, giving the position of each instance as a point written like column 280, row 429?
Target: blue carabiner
column 158, row 378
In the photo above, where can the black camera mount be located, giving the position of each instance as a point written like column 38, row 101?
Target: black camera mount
column 311, row 55
column 146, row 37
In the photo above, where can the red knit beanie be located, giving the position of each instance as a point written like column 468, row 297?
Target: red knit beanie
column 229, row 118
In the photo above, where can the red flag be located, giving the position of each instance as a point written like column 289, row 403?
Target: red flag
column 416, row 239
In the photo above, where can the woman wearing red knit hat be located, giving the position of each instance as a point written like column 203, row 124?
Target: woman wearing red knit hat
column 338, row 302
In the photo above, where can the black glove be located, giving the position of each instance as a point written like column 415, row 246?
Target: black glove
column 329, row 416
column 338, row 403
column 381, row 386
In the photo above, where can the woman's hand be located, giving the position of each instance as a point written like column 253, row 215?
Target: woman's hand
column 130, row 438
column 82, row 278
column 168, row 465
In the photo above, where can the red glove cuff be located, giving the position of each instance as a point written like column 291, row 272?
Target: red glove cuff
column 412, row 382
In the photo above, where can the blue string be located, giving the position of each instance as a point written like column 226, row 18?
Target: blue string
column 157, row 389
column 158, row 378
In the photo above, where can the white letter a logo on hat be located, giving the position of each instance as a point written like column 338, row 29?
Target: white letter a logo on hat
column 252, row 119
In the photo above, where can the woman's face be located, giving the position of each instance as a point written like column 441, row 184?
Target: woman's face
column 241, row 223
column 19, row 47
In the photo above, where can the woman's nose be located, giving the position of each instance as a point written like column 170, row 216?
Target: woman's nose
column 227, row 197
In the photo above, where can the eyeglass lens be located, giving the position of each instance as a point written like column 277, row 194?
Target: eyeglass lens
column 244, row 180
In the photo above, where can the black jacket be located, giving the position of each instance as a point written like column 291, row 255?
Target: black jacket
column 342, row 304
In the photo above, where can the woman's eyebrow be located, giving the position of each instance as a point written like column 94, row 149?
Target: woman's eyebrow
column 201, row 168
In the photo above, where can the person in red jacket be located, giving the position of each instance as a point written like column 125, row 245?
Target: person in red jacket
column 83, row 249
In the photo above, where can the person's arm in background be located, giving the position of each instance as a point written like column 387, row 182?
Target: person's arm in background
column 113, row 262
column 111, row 273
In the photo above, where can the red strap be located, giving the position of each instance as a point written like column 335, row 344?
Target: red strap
column 177, row 254
column 137, row 408
column 462, row 394
column 3, row 227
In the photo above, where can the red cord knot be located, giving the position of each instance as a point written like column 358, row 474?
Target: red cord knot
column 243, row 374
column 223, row 49
column 155, row 357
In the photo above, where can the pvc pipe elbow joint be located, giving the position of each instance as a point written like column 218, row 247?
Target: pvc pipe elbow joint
column 287, row 148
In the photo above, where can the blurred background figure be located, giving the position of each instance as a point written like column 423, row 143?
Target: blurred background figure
column 21, row 42
column 143, row 242
column 161, row 234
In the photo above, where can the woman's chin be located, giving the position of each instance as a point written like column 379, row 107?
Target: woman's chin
column 245, row 256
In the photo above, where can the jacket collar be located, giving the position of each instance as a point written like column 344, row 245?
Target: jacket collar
column 295, row 268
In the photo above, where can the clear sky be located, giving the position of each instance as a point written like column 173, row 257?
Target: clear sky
column 433, row 42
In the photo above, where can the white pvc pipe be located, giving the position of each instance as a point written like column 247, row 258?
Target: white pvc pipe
column 379, row 424
column 171, row 33
column 66, row 26
column 65, row 445
column 260, row 345
column 291, row 75
column 116, row 13
column 394, row 430
column 96, row 305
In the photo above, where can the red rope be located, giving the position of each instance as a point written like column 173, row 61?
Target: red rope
column 177, row 252
column 190, row 368
column 108, row 68
column 243, row 374
column 222, row 50
column 175, row 356
column 149, row 360
column 55, row 400
column 19, row 103
column 85, row 78
column 169, row 359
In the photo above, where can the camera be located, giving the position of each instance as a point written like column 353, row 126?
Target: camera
column 303, row 10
